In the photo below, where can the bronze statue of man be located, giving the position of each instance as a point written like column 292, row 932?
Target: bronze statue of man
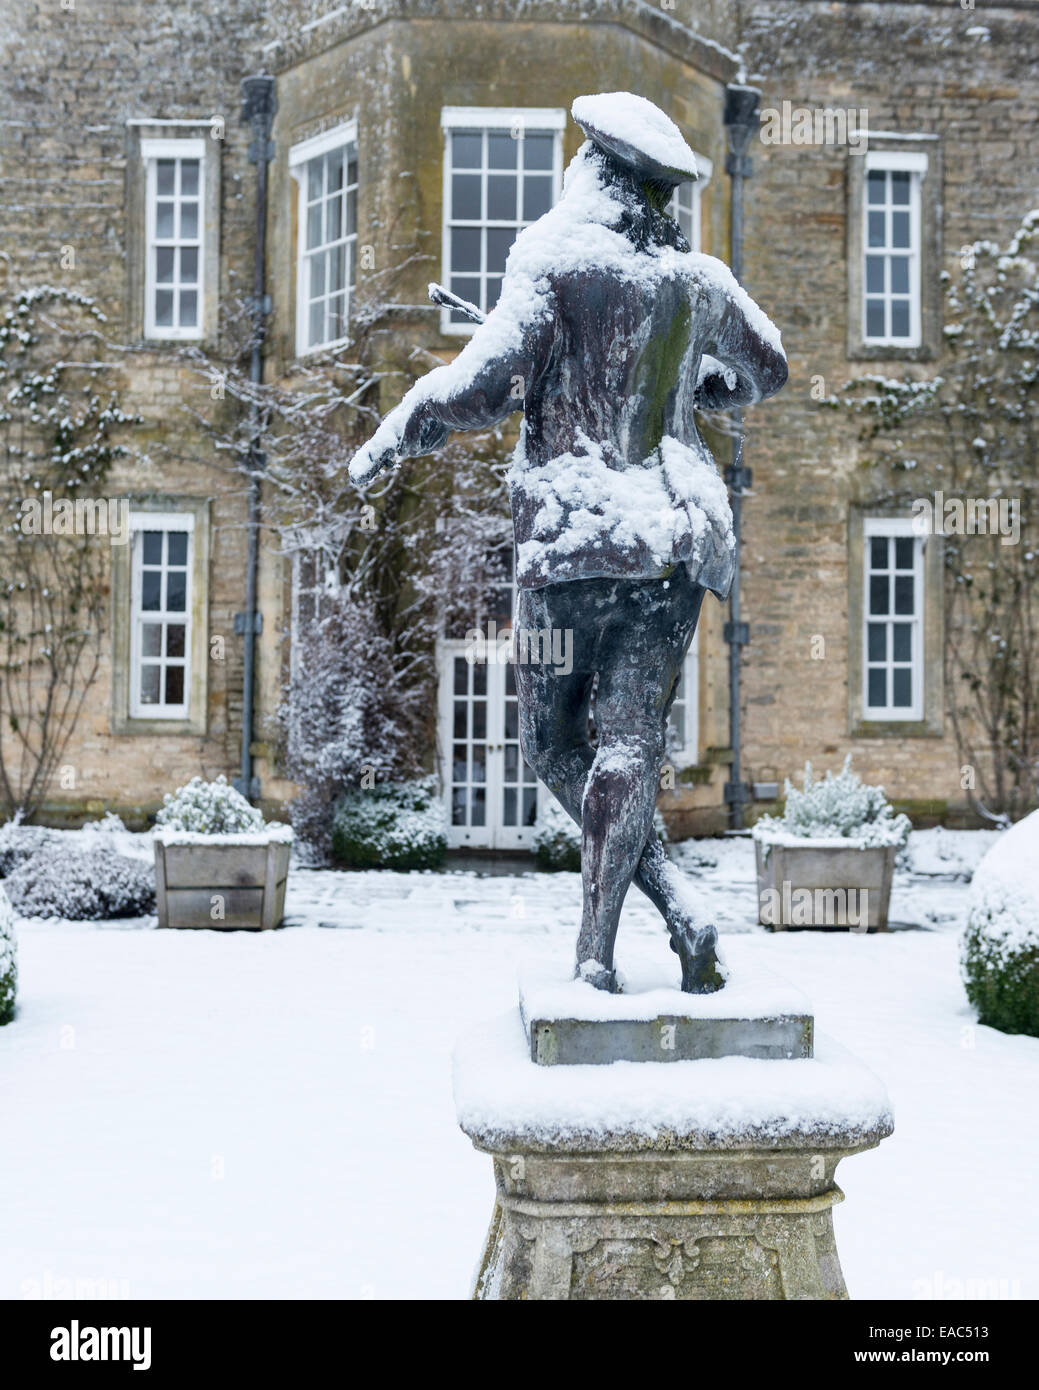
column 609, row 334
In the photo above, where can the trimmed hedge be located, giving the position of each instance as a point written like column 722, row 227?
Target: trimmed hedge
column 8, row 960
column 391, row 826
column 999, row 950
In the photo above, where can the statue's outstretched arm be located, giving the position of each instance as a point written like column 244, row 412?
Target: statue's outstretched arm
column 748, row 358
column 486, row 381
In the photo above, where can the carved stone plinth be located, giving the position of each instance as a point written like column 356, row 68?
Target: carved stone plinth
column 701, row 1180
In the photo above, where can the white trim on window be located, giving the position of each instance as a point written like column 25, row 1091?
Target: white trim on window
column 326, row 269
column 179, row 285
column 160, row 636
column 474, row 246
column 893, row 620
column 684, row 720
column 892, row 240
column 686, row 203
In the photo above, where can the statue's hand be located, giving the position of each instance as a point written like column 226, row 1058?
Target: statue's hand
column 369, row 462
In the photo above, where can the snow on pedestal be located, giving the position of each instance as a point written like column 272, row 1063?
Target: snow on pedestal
column 697, row 1180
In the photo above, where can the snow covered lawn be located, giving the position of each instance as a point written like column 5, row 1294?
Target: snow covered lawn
column 202, row 1115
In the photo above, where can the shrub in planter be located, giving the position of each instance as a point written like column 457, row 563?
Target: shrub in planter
column 999, row 950
column 218, row 864
column 391, row 826
column 557, row 838
column 209, row 808
column 828, row 861
column 81, row 885
column 8, row 960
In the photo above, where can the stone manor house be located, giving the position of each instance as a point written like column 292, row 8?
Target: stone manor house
column 121, row 137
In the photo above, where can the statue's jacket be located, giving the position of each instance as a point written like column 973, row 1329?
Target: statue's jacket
column 608, row 347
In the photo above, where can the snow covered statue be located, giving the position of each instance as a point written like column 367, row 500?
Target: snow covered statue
column 608, row 335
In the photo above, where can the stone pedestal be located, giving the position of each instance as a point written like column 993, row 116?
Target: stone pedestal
column 698, row 1180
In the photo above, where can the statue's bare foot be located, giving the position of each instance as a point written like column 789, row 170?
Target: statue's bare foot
column 695, row 948
column 597, row 976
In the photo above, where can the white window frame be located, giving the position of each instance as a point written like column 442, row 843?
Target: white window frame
column 151, row 152
column 688, row 196
column 687, row 754
column 158, row 521
column 340, row 137
column 537, row 120
column 914, row 164
column 898, row 528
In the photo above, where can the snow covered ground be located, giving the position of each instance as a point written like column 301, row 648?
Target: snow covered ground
column 207, row 1115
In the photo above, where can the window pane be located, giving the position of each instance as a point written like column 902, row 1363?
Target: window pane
column 874, row 318
column 164, row 220
column 512, row 720
column 174, row 639
column 177, row 547
column 176, row 590
column 511, row 762
column 317, row 275
column 876, row 228
column 458, row 760
column 466, row 288
column 878, row 552
column 458, row 806
column 351, row 167
column 900, row 229
column 314, row 226
column 151, row 547
column 877, row 692
column 537, row 151
column 900, row 318
column 189, row 178
column 189, row 220
column 899, row 186
column 334, row 172
column 904, row 593
column 351, row 212
column 479, row 719
column 493, row 290
column 479, row 762
column 465, row 197
column 876, row 183
column 501, row 151
column 479, row 806
column 150, row 685
column 878, row 593
column 333, row 219
column 904, row 546
column 899, row 275
column 902, row 687
column 466, row 149
column 499, row 240
column 337, row 317
column 317, row 323
column 875, row 274
column 165, row 174
column 465, row 248
column 174, row 685
column 164, row 264
column 902, row 634
column 501, row 197
column 315, row 169
column 189, row 265
column 508, row 811
column 164, row 308
column 461, row 726
column 537, row 197
column 877, row 641
column 479, row 678
column 151, row 590
column 336, row 269
column 530, row 805
column 188, row 308
column 461, row 675
column 151, row 639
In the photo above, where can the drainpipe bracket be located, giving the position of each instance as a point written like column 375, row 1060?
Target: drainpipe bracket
column 737, row 634
column 738, row 478
column 737, row 793
column 250, row 792
column 241, row 624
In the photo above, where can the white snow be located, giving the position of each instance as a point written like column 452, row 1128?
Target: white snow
column 631, row 118
column 274, row 832
column 217, row 1115
column 501, row 1095
column 1005, row 887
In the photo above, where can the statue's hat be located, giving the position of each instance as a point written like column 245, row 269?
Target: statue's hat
column 637, row 134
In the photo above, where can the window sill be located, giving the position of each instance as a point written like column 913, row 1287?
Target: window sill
column 890, row 352
column 894, row 728
column 127, row 724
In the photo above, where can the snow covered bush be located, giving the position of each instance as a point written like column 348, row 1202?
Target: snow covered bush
column 839, row 807
column 557, row 838
column 391, row 826
column 20, row 842
column 999, row 950
column 209, row 808
column 8, row 960
column 82, row 886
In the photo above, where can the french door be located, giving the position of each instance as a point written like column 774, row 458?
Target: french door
column 490, row 793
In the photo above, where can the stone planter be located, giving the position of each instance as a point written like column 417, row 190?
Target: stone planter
column 823, row 885
column 221, row 881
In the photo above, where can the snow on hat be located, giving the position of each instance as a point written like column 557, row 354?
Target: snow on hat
column 637, row 134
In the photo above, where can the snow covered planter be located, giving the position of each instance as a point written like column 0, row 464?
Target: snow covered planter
column 828, row 861
column 217, row 864
column 8, row 960
column 999, row 952
column 391, row 826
